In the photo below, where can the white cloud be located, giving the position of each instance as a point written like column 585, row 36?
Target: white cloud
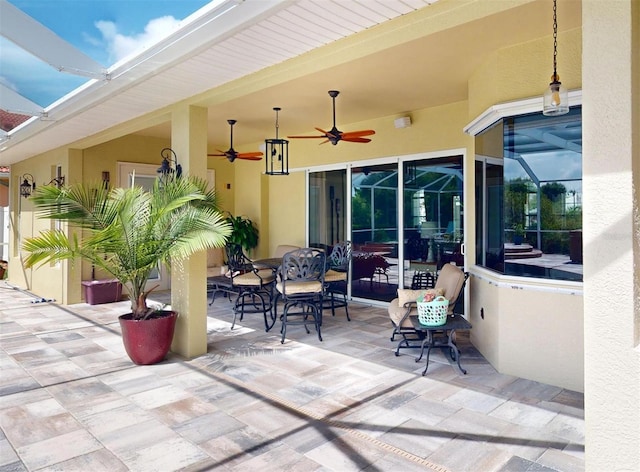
column 120, row 45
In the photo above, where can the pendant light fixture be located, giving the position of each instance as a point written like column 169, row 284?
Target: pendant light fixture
column 556, row 97
column 277, row 153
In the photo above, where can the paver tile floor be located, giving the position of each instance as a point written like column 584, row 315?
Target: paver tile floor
column 71, row 400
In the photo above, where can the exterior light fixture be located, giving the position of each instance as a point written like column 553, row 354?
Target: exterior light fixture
column 556, row 97
column 27, row 186
column 58, row 181
column 277, row 152
column 106, row 177
column 166, row 169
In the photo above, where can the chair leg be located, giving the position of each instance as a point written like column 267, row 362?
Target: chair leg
column 307, row 309
column 318, row 318
column 332, row 294
column 259, row 302
column 346, row 306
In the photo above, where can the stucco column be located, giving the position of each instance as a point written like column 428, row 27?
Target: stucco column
column 73, row 171
column 189, row 278
column 611, row 67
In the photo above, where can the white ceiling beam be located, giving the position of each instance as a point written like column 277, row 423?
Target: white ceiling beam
column 32, row 36
column 12, row 102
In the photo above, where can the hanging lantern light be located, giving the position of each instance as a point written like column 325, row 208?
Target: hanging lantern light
column 556, row 97
column 277, row 153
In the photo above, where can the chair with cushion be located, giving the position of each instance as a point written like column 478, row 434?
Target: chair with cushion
column 337, row 277
column 450, row 283
column 253, row 286
column 301, row 286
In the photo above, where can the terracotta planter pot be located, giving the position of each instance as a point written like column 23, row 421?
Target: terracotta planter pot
column 148, row 341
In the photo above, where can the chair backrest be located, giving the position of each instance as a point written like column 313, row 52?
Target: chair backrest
column 422, row 279
column 282, row 249
column 451, row 279
column 303, row 265
column 236, row 259
column 340, row 256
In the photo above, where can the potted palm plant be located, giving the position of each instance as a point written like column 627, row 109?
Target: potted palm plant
column 128, row 233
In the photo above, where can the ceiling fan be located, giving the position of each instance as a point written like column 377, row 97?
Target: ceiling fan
column 232, row 154
column 334, row 134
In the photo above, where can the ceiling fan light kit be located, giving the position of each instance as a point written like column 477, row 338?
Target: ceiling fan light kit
column 334, row 135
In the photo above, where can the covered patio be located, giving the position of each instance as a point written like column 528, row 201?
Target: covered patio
column 72, row 400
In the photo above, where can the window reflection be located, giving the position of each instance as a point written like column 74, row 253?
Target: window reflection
column 540, row 181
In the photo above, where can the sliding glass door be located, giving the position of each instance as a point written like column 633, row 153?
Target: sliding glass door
column 374, row 231
column 403, row 217
column 432, row 214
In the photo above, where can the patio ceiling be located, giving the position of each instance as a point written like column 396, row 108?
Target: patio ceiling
column 383, row 65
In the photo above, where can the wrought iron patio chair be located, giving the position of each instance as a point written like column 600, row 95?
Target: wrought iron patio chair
column 253, row 286
column 337, row 278
column 301, row 286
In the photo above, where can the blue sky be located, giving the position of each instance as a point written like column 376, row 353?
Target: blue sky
column 105, row 30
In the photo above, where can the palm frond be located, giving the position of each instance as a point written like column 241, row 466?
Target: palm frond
column 128, row 232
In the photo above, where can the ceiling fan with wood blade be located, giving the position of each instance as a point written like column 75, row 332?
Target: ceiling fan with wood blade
column 334, row 134
column 232, row 154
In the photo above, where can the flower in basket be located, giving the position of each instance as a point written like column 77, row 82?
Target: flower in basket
column 426, row 297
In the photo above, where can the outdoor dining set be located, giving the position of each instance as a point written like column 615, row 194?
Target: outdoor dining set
column 295, row 286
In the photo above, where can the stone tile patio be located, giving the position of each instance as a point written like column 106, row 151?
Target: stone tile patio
column 71, row 400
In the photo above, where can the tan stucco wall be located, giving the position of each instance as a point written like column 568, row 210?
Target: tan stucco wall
column 524, row 336
column 611, row 140
column 51, row 281
column 525, row 70
column 287, row 227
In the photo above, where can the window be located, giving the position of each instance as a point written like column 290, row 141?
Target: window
column 529, row 196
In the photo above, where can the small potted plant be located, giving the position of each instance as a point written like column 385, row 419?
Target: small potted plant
column 518, row 234
column 127, row 233
column 243, row 232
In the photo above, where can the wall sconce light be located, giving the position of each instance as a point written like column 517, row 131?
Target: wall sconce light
column 555, row 101
column 106, row 177
column 277, row 152
column 27, row 185
column 58, row 181
column 166, row 169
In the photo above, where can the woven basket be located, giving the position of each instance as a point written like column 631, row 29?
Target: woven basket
column 433, row 313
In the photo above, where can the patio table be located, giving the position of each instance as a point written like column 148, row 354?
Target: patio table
column 441, row 337
column 272, row 263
